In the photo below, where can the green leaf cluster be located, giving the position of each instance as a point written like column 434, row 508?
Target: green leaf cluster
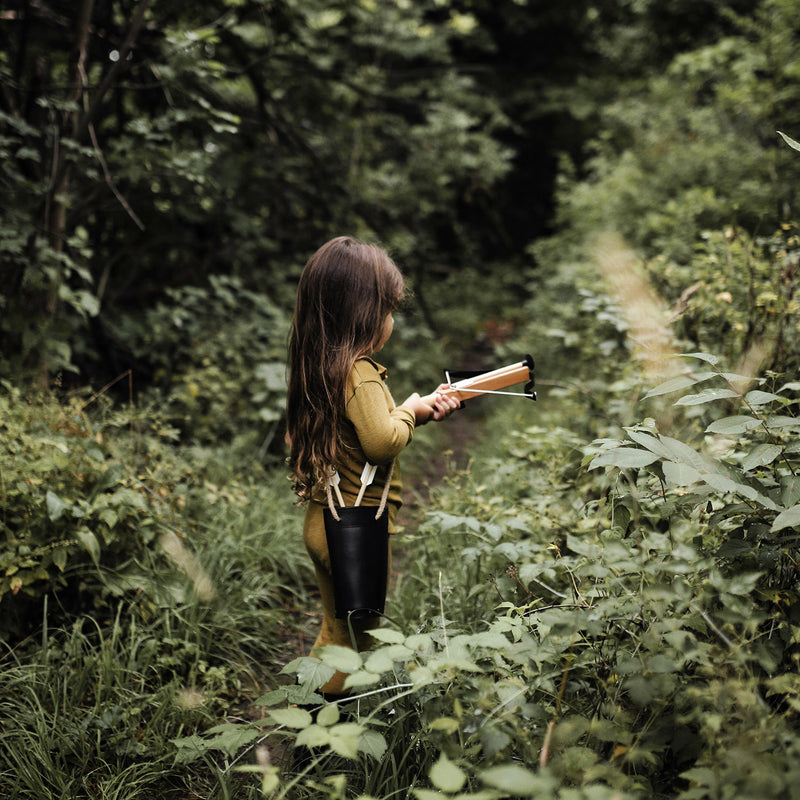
column 217, row 360
column 69, row 503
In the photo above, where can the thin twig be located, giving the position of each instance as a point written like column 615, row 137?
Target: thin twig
column 441, row 611
column 101, row 158
column 109, row 77
column 545, row 751
column 723, row 638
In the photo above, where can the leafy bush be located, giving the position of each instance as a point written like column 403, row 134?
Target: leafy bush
column 75, row 496
column 694, row 147
column 179, row 622
column 218, row 360
column 738, row 292
column 641, row 643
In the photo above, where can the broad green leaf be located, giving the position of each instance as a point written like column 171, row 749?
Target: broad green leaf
column 703, row 776
column 790, row 491
column 387, row 635
column 89, row 541
column 706, row 396
column 447, row 776
column 672, row 385
column 190, row 748
column 753, row 494
column 787, row 519
column 583, row 546
column 683, row 454
column 446, row 724
column 623, row 458
column 360, row 679
column 735, row 377
column 733, row 425
column 721, row 483
column 229, row 737
column 759, row 398
column 680, row 474
column 328, row 715
column 310, row 671
column 372, row 744
column 380, row 661
column 707, row 357
column 511, row 778
column 298, row 693
column 419, row 641
column 291, row 717
column 344, row 739
column 760, row 456
column 60, row 558
column 493, row 741
column 653, row 444
column 313, row 736
column 783, row 421
column 55, row 506
column 343, row 659
column 448, row 521
column 793, row 143
column 109, row 516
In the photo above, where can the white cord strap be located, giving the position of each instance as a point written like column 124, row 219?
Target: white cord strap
column 384, row 495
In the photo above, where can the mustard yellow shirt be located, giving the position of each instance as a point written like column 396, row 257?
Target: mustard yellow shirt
column 376, row 432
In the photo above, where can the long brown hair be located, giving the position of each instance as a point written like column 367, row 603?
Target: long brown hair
column 345, row 292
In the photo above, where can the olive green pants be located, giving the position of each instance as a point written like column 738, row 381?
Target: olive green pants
column 334, row 631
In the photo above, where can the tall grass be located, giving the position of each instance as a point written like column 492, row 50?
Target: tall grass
column 89, row 705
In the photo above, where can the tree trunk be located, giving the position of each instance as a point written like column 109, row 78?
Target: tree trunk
column 70, row 124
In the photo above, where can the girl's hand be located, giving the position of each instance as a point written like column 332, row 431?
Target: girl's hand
column 423, row 410
column 436, row 406
column 442, row 403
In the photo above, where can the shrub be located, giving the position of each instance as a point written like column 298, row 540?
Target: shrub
column 217, row 355
column 75, row 495
column 641, row 643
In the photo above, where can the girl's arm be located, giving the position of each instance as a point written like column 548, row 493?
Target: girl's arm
column 434, row 406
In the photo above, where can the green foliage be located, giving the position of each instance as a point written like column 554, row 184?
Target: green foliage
column 795, row 145
column 627, row 645
column 97, row 502
column 662, row 167
column 600, row 605
column 739, row 289
column 177, row 624
column 231, row 142
column 217, row 357
column 70, row 503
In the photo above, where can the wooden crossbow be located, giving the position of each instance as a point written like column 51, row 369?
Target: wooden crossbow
column 465, row 385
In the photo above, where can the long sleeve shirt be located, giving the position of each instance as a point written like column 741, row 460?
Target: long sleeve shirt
column 376, row 432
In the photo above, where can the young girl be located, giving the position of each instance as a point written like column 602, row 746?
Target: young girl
column 340, row 413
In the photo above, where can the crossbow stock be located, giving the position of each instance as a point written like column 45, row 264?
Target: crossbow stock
column 465, row 385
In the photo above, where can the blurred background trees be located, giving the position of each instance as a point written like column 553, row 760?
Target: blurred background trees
column 148, row 146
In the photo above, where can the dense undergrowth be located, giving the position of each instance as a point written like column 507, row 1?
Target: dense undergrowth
column 599, row 600
column 597, row 594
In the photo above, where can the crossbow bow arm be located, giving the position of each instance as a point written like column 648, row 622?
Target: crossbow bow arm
column 465, row 385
